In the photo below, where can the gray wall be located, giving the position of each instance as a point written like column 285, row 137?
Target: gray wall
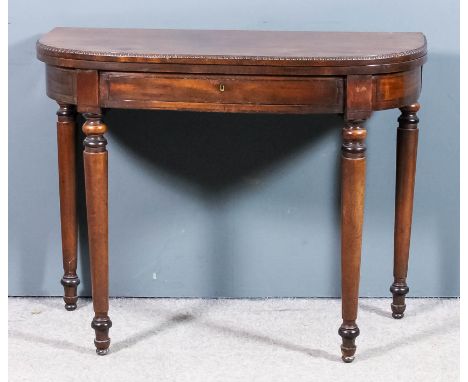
column 235, row 205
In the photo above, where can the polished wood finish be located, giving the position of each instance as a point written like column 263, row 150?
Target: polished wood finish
column 260, row 70
column 407, row 144
column 352, row 74
column 66, row 131
column 358, row 97
column 389, row 91
column 222, row 93
column 232, row 47
column 95, row 166
column 353, row 185
column 87, row 93
column 61, row 84
column 397, row 89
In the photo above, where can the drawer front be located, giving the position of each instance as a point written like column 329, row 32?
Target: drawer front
column 221, row 93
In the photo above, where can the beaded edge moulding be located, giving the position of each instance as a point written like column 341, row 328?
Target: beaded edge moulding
column 421, row 51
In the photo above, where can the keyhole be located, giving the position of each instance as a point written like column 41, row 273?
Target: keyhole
column 221, row 87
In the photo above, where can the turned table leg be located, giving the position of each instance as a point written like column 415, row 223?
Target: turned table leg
column 353, row 168
column 95, row 165
column 66, row 130
column 407, row 143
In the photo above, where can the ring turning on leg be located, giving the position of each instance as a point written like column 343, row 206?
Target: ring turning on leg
column 407, row 143
column 353, row 180
column 66, row 130
column 95, row 164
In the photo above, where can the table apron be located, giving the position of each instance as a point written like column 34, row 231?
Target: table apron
column 225, row 93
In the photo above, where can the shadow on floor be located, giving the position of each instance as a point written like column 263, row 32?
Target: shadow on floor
column 193, row 314
column 387, row 312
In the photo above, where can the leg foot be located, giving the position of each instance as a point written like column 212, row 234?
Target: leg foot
column 70, row 284
column 348, row 333
column 102, row 351
column 399, row 291
column 101, row 326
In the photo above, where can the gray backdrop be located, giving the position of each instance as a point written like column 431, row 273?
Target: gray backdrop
column 235, row 205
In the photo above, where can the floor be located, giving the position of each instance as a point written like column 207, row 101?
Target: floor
column 233, row 340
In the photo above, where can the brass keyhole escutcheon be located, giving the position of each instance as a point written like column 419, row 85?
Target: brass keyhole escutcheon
column 221, row 87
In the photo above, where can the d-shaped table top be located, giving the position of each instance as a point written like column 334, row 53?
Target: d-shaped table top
column 276, row 48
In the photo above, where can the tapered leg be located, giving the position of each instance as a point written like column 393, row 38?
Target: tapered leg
column 66, row 130
column 353, row 168
column 95, row 165
column 407, row 144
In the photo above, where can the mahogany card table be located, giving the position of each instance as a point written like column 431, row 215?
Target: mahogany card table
column 346, row 73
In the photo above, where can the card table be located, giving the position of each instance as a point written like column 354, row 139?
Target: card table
column 89, row 70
